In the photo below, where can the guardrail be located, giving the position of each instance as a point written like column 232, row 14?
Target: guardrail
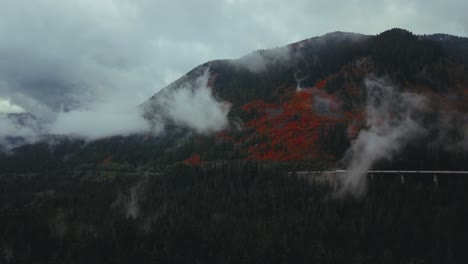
column 334, row 174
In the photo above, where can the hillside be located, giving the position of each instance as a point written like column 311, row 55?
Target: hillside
column 307, row 101
column 302, row 104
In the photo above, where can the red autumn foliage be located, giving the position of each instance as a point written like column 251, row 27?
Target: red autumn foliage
column 193, row 160
column 321, row 84
column 291, row 129
column 257, row 104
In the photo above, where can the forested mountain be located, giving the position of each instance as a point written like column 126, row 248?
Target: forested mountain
column 305, row 103
column 210, row 184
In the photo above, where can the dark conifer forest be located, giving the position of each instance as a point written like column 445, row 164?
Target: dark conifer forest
column 246, row 214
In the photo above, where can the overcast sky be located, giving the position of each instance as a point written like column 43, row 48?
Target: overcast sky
column 56, row 55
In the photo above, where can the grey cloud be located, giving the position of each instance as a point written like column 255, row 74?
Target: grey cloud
column 14, row 127
column 7, row 107
column 11, row 128
column 102, row 120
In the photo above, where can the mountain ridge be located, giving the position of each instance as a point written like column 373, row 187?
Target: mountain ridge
column 311, row 45
column 436, row 36
column 304, row 103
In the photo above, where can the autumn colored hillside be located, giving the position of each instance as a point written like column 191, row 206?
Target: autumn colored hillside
column 302, row 103
column 312, row 123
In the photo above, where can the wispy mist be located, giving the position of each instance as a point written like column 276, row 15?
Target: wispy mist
column 394, row 118
column 129, row 202
column 259, row 61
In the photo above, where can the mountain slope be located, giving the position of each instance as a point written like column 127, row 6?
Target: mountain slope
column 303, row 104
column 307, row 101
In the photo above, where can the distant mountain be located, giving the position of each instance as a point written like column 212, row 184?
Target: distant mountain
column 25, row 119
column 23, row 123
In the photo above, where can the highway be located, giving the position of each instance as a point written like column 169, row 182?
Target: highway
column 432, row 172
column 337, row 175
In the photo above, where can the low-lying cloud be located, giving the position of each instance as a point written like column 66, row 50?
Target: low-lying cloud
column 13, row 132
column 191, row 105
column 101, row 120
column 259, row 61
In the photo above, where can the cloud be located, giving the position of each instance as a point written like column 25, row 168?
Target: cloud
column 103, row 120
column 259, row 61
column 254, row 62
column 7, row 107
column 394, row 119
column 191, row 105
column 17, row 129
column 10, row 128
